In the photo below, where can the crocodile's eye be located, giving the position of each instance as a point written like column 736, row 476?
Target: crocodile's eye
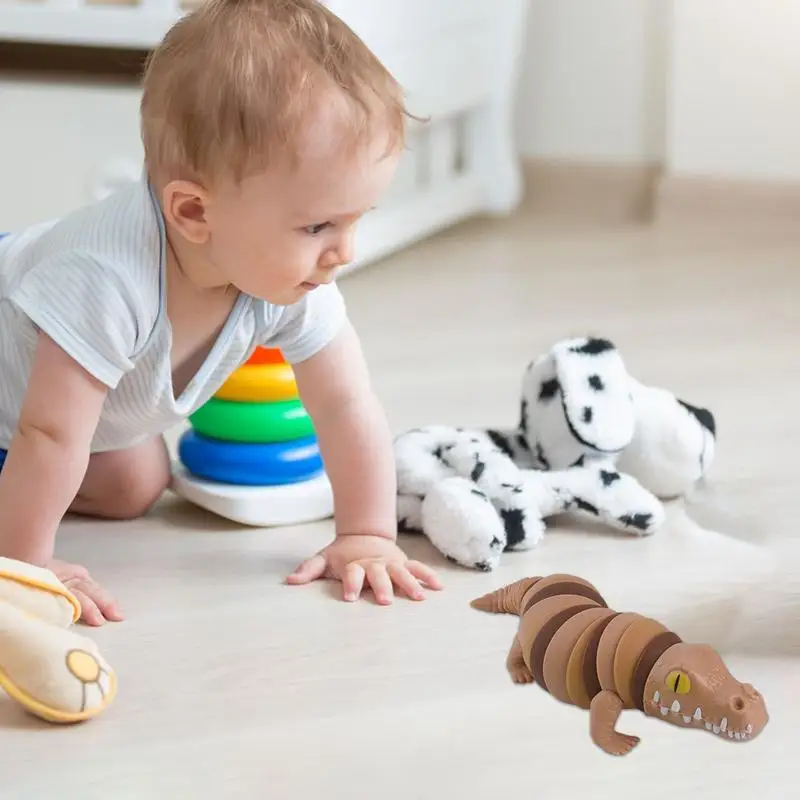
column 679, row 682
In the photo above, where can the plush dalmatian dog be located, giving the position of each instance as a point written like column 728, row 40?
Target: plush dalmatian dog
column 591, row 441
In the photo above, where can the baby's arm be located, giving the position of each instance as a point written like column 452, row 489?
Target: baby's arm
column 356, row 445
column 49, row 453
column 354, row 436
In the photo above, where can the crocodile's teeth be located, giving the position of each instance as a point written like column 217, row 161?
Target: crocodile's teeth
column 737, row 736
column 676, row 707
column 664, row 711
column 698, row 715
column 749, row 728
column 723, row 726
column 716, row 728
column 686, row 719
column 656, row 696
column 708, row 726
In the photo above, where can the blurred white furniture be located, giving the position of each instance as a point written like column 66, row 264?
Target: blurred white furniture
column 457, row 59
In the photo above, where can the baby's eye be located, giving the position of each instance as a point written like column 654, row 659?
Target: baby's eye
column 313, row 230
column 679, row 682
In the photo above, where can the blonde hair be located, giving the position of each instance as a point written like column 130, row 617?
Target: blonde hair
column 234, row 81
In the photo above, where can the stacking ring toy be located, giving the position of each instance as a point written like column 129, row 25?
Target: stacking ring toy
column 266, row 355
column 259, row 506
column 262, row 423
column 260, row 383
column 246, row 464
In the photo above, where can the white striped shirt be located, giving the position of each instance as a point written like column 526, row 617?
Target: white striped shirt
column 94, row 281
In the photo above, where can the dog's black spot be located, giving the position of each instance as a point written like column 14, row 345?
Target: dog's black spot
column 521, row 441
column 639, row 521
column 439, row 452
column 586, row 506
column 588, row 415
column 477, row 472
column 475, row 440
column 515, row 487
column 581, row 462
column 541, row 457
column 703, row 416
column 549, row 389
column 478, row 493
column 609, row 477
column 483, row 566
column 451, row 559
column 596, row 383
column 593, row 347
column 514, row 523
column 500, row 441
column 523, row 416
column 496, row 543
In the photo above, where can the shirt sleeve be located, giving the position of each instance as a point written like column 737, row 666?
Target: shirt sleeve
column 87, row 308
column 306, row 327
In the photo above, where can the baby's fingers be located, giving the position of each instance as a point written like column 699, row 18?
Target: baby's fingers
column 381, row 583
column 404, row 580
column 311, row 570
column 424, row 574
column 90, row 613
column 97, row 605
column 353, row 582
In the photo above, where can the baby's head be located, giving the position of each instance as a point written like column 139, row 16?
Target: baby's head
column 269, row 129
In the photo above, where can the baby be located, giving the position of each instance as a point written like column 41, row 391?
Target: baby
column 269, row 130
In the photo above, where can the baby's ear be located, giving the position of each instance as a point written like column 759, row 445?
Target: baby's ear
column 185, row 208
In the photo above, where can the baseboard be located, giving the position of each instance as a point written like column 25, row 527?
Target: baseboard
column 594, row 191
column 711, row 200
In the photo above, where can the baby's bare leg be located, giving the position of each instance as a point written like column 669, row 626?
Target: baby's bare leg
column 124, row 484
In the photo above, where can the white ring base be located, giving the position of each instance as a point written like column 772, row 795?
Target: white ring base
column 258, row 506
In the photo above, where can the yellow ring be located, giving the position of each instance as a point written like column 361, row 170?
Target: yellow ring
column 260, row 383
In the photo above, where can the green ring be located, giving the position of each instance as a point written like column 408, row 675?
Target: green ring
column 259, row 423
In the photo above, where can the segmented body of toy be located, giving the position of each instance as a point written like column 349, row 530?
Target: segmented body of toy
column 584, row 653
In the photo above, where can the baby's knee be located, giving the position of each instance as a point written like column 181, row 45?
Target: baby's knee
column 125, row 485
column 137, row 492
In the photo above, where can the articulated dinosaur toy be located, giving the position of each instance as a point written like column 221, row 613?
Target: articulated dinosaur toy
column 584, row 653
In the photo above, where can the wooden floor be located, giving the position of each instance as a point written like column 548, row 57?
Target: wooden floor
column 233, row 685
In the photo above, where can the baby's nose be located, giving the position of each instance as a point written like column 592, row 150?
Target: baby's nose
column 340, row 255
column 329, row 260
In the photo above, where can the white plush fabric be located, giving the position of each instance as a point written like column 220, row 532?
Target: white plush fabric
column 591, row 441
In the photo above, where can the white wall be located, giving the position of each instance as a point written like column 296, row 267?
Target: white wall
column 592, row 85
column 734, row 95
column 709, row 87
column 55, row 139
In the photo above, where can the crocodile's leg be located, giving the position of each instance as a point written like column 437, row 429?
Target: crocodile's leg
column 516, row 664
column 603, row 715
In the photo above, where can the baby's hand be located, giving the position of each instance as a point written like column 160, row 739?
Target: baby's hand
column 96, row 604
column 352, row 559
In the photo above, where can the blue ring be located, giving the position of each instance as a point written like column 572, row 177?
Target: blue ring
column 248, row 464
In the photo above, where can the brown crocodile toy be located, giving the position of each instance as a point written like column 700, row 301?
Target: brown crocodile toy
column 586, row 654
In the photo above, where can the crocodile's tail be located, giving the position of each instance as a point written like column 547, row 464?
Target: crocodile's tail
column 507, row 600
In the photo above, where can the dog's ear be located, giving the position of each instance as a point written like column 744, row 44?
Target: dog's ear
column 703, row 416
